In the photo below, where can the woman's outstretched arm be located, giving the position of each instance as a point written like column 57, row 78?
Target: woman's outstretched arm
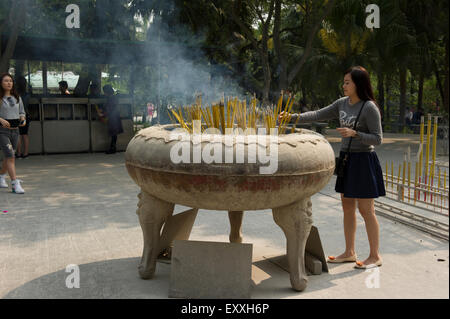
column 327, row 113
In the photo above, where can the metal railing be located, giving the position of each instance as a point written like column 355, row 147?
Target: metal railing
column 69, row 124
column 434, row 198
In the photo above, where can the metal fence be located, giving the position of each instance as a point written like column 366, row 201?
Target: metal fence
column 71, row 125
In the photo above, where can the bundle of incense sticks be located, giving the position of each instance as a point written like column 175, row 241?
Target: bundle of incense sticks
column 231, row 112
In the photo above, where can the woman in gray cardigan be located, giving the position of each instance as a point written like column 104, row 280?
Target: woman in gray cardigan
column 362, row 180
column 12, row 115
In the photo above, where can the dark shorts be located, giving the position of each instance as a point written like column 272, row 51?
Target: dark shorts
column 8, row 141
column 23, row 130
column 363, row 177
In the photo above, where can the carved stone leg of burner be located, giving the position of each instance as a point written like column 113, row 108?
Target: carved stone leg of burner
column 295, row 220
column 235, row 226
column 152, row 213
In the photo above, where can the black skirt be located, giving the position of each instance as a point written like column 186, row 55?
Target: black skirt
column 363, row 177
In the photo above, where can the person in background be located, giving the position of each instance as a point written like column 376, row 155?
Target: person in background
column 24, row 140
column 12, row 115
column 111, row 112
column 408, row 117
column 417, row 115
column 94, row 90
column 416, row 120
column 64, row 88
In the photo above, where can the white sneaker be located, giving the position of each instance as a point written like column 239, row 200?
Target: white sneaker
column 16, row 187
column 3, row 183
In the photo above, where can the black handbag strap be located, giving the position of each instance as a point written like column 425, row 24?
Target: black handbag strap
column 354, row 126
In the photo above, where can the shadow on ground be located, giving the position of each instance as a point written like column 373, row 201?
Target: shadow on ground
column 118, row 279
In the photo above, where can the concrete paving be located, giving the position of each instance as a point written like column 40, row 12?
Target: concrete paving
column 80, row 209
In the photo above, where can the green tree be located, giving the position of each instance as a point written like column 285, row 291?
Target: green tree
column 12, row 15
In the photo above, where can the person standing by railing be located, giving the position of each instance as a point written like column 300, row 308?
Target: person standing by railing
column 64, row 88
column 12, row 115
column 24, row 140
column 112, row 113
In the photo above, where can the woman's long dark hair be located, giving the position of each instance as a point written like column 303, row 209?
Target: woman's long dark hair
column 361, row 78
column 13, row 90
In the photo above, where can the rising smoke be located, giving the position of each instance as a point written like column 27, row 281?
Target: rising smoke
column 185, row 71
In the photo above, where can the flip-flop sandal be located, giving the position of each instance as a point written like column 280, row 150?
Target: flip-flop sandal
column 332, row 259
column 360, row 265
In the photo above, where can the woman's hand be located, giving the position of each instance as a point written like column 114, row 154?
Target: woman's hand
column 23, row 121
column 4, row 123
column 286, row 114
column 346, row 132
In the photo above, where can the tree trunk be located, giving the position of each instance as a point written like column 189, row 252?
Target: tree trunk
column 267, row 79
column 89, row 73
column 388, row 99
column 263, row 50
column 420, row 91
column 402, row 75
column 98, row 76
column 296, row 69
column 17, row 17
column 19, row 68
column 446, row 81
column 283, row 78
column 44, row 78
column 380, row 86
column 304, row 97
column 264, row 55
column 438, row 80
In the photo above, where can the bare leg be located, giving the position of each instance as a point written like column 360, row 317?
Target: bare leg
column 152, row 213
column 295, row 220
column 235, row 226
column 367, row 210
column 9, row 166
column 19, row 146
column 349, row 208
column 4, row 167
column 26, row 143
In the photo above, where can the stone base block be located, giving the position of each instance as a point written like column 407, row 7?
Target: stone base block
column 210, row 270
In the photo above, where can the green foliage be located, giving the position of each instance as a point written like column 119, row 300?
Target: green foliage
column 413, row 36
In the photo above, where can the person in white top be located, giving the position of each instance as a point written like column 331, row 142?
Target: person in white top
column 12, row 115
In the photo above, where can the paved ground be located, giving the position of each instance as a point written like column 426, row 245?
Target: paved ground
column 80, row 209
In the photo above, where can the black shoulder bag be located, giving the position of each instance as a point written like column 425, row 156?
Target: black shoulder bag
column 341, row 162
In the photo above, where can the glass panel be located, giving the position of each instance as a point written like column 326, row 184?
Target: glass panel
column 80, row 112
column 65, row 112
column 34, row 111
column 50, row 112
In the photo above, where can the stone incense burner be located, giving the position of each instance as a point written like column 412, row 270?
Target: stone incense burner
column 305, row 165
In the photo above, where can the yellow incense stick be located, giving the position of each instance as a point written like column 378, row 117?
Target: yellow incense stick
column 409, row 181
column 445, row 175
column 416, row 177
column 427, row 151
column 392, row 175
column 422, row 123
column 403, row 181
column 434, row 146
column 386, row 175
column 439, row 184
column 222, row 117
